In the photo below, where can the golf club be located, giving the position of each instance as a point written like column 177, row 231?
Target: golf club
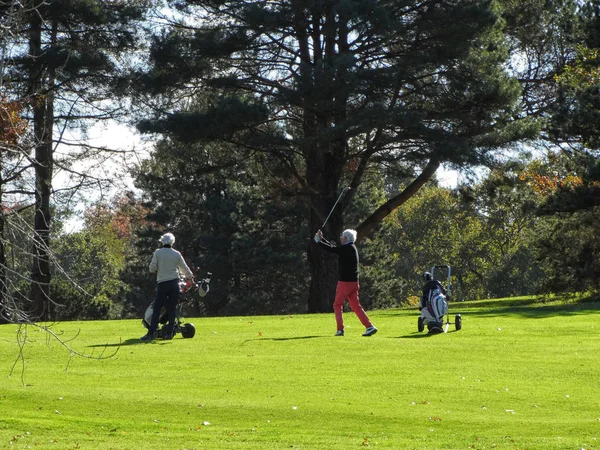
column 346, row 189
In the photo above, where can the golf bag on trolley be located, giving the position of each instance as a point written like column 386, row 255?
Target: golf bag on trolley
column 434, row 304
column 187, row 289
column 433, row 309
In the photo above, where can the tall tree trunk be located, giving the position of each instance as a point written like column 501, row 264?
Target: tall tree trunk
column 323, row 114
column 41, row 85
column 3, row 290
column 323, row 174
column 323, row 265
column 323, row 277
column 40, row 273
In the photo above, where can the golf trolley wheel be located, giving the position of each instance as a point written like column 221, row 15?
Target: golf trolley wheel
column 458, row 322
column 188, row 330
column 421, row 325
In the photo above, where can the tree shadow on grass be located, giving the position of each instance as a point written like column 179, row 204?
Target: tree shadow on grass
column 528, row 308
column 534, row 311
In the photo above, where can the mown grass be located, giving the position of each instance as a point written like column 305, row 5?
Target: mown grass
column 519, row 375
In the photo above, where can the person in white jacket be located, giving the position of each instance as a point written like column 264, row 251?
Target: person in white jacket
column 167, row 263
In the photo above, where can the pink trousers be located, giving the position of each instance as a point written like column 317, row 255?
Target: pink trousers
column 348, row 290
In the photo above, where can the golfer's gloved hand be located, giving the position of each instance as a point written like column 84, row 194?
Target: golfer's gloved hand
column 317, row 238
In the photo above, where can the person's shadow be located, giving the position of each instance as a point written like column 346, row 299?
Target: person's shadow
column 283, row 338
column 133, row 341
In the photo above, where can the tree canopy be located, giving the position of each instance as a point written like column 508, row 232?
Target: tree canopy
column 263, row 112
column 328, row 91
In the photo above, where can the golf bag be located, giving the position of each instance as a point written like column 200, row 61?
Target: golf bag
column 433, row 309
column 434, row 304
column 187, row 289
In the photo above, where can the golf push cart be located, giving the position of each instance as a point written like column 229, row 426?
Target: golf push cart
column 190, row 290
column 436, row 306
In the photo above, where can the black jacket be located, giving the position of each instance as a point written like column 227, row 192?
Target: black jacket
column 347, row 260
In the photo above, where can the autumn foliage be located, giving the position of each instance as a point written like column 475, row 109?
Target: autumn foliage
column 548, row 179
column 12, row 125
column 549, row 184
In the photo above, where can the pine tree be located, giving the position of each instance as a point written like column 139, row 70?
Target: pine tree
column 227, row 223
column 327, row 91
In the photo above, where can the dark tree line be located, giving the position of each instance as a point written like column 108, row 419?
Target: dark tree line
column 323, row 93
column 494, row 233
column 264, row 111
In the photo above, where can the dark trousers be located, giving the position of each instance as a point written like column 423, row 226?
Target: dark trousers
column 167, row 295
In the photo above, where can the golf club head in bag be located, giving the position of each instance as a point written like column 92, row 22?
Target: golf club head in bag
column 204, row 285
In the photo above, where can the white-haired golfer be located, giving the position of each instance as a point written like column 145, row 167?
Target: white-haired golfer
column 167, row 263
column 348, row 286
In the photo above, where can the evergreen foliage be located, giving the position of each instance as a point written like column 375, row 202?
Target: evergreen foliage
column 228, row 223
column 331, row 90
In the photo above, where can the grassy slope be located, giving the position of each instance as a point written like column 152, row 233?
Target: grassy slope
column 515, row 377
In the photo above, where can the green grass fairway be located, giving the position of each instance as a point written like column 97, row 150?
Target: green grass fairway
column 517, row 376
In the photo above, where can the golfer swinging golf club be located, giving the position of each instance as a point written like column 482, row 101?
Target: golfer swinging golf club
column 348, row 286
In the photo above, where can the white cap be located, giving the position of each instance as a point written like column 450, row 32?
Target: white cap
column 167, row 239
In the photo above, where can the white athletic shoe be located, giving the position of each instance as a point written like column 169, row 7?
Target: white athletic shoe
column 370, row 331
column 339, row 333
